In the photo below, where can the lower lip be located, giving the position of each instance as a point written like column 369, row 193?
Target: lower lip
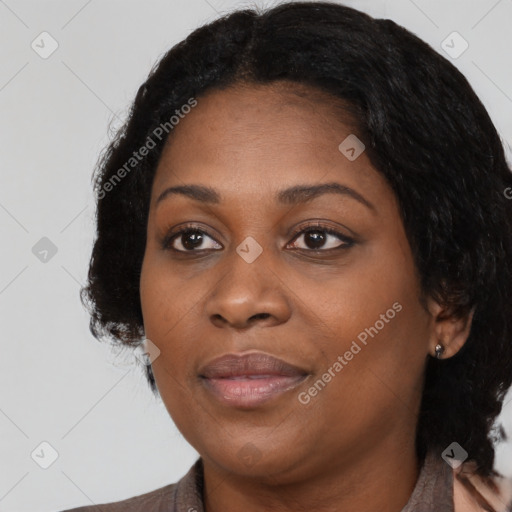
column 245, row 392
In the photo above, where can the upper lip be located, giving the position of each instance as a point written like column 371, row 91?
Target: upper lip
column 255, row 363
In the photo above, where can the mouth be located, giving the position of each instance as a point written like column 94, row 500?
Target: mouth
column 250, row 391
column 249, row 380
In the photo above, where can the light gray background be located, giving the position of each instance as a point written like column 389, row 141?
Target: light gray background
column 57, row 383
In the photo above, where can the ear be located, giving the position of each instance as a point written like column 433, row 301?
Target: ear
column 449, row 331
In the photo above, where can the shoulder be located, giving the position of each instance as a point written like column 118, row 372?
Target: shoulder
column 149, row 502
column 473, row 493
column 185, row 494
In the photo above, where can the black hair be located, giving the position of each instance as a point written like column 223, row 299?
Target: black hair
column 424, row 129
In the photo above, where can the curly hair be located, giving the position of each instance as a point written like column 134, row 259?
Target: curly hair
column 425, row 131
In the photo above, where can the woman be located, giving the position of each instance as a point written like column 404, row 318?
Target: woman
column 306, row 219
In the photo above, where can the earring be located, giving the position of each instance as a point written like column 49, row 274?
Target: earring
column 439, row 351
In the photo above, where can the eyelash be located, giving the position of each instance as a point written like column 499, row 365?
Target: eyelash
column 312, row 227
column 318, row 226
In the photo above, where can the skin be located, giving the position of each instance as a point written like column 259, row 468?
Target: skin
column 352, row 446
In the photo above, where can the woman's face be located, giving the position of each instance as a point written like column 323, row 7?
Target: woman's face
column 340, row 302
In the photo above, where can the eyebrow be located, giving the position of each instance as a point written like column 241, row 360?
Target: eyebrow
column 293, row 195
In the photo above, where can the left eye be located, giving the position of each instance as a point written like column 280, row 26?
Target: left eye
column 314, row 239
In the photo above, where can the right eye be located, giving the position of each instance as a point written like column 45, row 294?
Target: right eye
column 190, row 240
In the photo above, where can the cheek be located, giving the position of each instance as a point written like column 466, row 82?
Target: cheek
column 374, row 298
column 166, row 299
column 371, row 317
column 165, row 307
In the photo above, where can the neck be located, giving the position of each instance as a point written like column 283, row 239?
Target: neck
column 382, row 478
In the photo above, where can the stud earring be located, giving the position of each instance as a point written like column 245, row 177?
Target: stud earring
column 439, row 351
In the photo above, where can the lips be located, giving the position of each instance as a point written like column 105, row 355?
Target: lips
column 250, row 381
column 253, row 365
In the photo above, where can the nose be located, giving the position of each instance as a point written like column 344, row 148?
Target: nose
column 248, row 294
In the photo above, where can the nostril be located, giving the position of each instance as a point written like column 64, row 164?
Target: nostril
column 260, row 316
column 220, row 321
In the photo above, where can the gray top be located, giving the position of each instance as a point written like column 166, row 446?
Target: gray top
column 433, row 493
column 434, row 488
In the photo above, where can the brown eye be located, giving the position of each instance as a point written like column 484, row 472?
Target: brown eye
column 315, row 239
column 189, row 240
column 321, row 239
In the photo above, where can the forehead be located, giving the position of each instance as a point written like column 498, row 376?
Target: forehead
column 249, row 109
column 270, row 136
